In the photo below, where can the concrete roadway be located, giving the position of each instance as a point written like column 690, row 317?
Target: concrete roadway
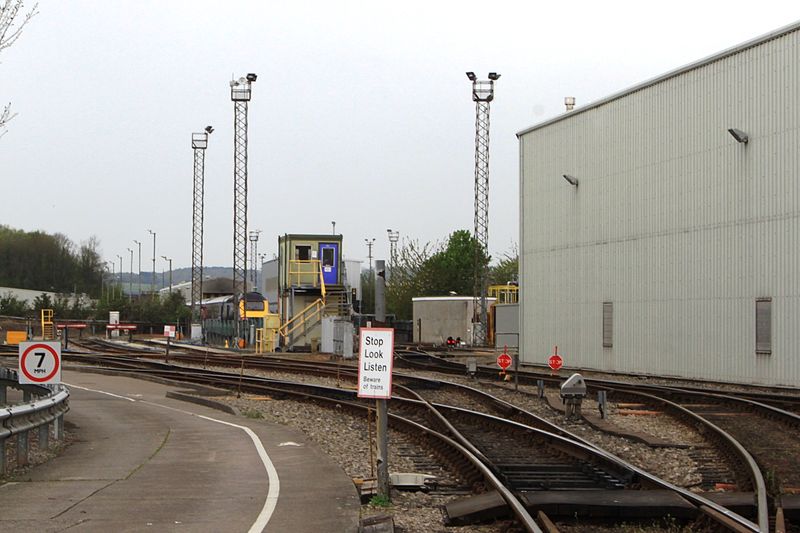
column 143, row 462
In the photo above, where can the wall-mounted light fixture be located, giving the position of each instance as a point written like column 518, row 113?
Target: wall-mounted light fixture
column 739, row 135
column 572, row 180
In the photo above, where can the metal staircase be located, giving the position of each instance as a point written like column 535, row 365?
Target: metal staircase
column 48, row 330
column 334, row 300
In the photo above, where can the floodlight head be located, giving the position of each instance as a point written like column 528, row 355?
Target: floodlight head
column 572, row 180
column 209, row 129
column 494, row 76
column 242, row 80
column 251, row 77
column 739, row 135
column 472, row 76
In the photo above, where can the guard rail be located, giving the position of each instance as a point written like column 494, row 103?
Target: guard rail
column 41, row 406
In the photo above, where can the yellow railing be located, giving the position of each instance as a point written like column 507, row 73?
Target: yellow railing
column 306, row 272
column 505, row 294
column 48, row 332
column 312, row 310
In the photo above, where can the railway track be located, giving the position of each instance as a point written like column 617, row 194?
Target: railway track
column 765, row 460
column 515, row 475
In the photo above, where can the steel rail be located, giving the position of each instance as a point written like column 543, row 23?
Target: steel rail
column 270, row 385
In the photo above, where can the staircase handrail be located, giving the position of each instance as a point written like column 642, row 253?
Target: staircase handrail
column 300, row 317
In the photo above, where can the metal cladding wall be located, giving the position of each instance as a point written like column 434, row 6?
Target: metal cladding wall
column 675, row 223
column 442, row 317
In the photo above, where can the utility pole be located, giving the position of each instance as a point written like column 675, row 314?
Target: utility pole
column 130, row 279
column 240, row 95
column 370, row 242
column 165, row 258
column 153, row 279
column 139, row 279
column 253, row 235
column 482, row 95
column 120, row 275
column 113, row 275
column 199, row 145
column 394, row 236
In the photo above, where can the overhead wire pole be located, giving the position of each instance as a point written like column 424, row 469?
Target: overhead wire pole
column 253, row 235
column 482, row 95
column 240, row 95
column 199, row 145
column 139, row 278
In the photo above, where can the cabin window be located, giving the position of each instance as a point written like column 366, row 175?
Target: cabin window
column 302, row 253
column 328, row 257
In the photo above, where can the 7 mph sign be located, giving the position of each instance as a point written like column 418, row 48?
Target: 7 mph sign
column 39, row 363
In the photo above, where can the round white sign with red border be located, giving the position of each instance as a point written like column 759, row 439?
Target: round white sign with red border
column 39, row 363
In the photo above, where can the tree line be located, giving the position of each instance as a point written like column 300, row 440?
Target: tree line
column 53, row 263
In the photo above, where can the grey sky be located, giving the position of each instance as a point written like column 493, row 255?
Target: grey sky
column 361, row 113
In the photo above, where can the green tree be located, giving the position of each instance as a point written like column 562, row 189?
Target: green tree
column 11, row 306
column 433, row 270
column 42, row 301
column 38, row 261
column 507, row 269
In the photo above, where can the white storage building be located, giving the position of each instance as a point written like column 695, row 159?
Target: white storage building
column 656, row 241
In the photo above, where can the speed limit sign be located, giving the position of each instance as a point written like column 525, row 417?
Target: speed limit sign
column 39, row 363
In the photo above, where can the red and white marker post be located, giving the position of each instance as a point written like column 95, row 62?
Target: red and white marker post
column 504, row 360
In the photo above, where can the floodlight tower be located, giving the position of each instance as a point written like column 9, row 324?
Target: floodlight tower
column 394, row 236
column 240, row 95
column 253, row 236
column 199, row 145
column 482, row 95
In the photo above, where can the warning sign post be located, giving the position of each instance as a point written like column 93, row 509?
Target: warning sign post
column 375, row 362
column 39, row 363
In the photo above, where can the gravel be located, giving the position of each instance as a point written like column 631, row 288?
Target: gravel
column 344, row 438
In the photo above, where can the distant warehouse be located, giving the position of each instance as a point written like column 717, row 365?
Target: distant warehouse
column 660, row 227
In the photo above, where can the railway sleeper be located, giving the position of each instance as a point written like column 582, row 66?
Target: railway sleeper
column 594, row 504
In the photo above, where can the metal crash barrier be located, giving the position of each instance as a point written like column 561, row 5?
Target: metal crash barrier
column 42, row 405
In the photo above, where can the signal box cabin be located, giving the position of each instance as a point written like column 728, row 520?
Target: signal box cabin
column 311, row 285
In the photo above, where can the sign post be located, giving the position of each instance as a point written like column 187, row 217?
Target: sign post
column 555, row 362
column 39, row 363
column 504, row 360
column 169, row 332
column 375, row 363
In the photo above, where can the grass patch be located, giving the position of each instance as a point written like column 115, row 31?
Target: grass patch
column 380, row 500
column 253, row 413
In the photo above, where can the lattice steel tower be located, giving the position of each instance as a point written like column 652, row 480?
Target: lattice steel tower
column 482, row 95
column 240, row 95
column 199, row 145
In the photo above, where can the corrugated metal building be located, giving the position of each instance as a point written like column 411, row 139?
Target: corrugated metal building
column 676, row 253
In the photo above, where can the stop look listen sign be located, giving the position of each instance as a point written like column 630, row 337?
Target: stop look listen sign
column 375, row 363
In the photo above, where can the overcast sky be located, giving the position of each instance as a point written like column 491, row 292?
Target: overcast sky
column 361, row 113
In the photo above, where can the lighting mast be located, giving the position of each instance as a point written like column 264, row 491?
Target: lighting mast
column 199, row 145
column 482, row 95
column 240, row 95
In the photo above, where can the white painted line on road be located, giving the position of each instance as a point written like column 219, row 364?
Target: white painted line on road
column 101, row 392
column 274, row 482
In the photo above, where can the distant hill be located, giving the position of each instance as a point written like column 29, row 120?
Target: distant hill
column 179, row 275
